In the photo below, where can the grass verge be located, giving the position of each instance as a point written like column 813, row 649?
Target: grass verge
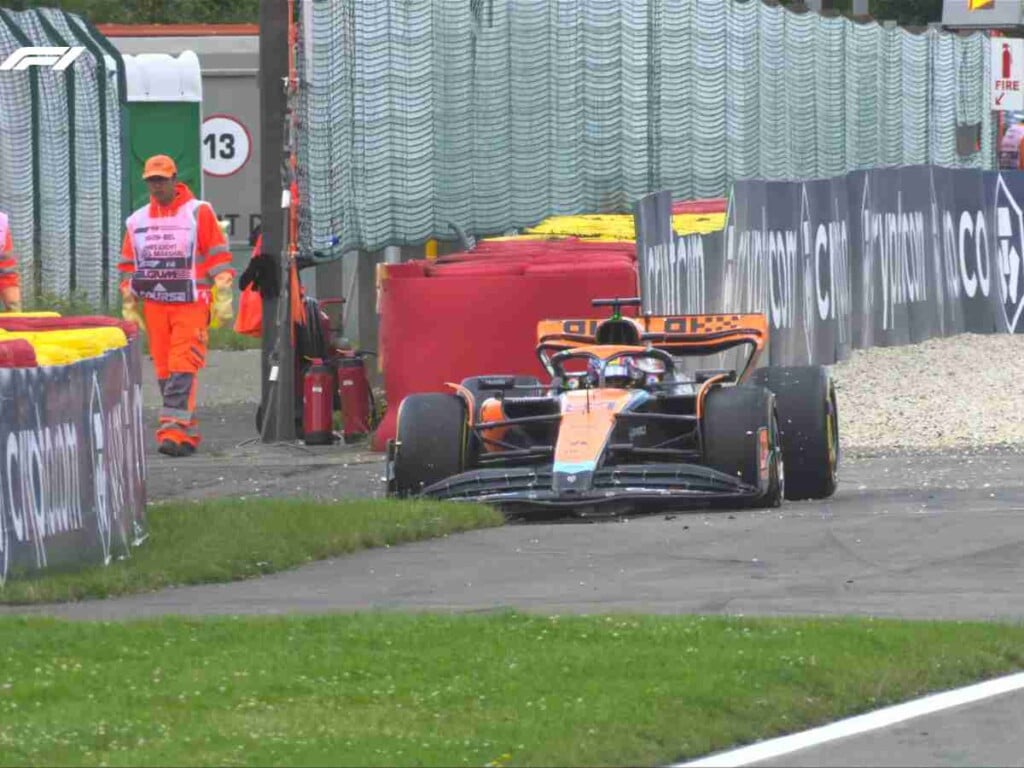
column 500, row 689
column 226, row 540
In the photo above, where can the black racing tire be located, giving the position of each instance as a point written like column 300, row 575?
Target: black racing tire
column 809, row 424
column 733, row 418
column 431, row 441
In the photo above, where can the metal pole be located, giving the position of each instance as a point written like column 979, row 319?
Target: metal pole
column 278, row 358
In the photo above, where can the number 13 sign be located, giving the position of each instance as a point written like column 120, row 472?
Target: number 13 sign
column 226, row 145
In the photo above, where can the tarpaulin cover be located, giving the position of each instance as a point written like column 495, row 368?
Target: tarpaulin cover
column 705, row 216
column 439, row 325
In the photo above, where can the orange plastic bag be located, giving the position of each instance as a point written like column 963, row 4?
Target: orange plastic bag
column 249, row 321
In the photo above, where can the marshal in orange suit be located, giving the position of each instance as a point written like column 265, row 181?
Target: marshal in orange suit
column 10, row 283
column 178, row 265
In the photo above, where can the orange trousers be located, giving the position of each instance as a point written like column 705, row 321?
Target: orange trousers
column 178, row 339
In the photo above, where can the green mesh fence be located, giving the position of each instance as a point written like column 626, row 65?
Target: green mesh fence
column 60, row 159
column 17, row 189
column 493, row 115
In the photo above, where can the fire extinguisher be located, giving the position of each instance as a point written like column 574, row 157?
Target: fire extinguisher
column 318, row 404
column 354, row 393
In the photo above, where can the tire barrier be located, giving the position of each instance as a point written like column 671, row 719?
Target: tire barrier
column 873, row 258
column 72, row 458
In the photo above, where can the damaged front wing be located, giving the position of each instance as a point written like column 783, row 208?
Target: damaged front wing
column 646, row 485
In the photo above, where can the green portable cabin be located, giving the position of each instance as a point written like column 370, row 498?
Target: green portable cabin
column 164, row 102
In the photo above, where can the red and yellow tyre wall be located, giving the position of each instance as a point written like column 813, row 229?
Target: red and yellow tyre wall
column 72, row 489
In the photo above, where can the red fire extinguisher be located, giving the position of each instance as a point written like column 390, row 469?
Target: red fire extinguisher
column 318, row 404
column 354, row 393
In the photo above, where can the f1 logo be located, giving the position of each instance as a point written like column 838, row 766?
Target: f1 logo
column 1010, row 249
column 57, row 58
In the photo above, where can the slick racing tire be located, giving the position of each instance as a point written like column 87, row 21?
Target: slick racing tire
column 431, row 441
column 809, row 423
column 733, row 419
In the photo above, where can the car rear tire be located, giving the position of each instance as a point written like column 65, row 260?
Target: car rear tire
column 809, row 425
column 431, row 441
column 733, row 418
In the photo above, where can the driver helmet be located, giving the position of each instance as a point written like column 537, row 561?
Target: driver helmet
column 653, row 370
column 623, row 372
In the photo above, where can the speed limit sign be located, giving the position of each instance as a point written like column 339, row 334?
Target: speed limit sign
column 226, row 145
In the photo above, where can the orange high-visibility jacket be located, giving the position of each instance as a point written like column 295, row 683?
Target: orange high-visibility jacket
column 8, row 267
column 171, row 276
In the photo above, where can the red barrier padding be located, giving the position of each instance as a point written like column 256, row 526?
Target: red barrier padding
column 29, row 324
column 435, row 330
column 709, row 205
column 17, row 353
column 561, row 268
column 478, row 268
column 573, row 249
column 408, row 269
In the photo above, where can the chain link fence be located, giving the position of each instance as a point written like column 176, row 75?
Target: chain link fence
column 60, row 160
column 493, row 115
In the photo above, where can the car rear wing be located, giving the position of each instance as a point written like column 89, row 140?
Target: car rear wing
column 706, row 333
column 680, row 335
column 674, row 330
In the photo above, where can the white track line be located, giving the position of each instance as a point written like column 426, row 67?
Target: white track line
column 881, row 718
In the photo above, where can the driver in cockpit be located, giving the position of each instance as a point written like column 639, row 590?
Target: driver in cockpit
column 627, row 371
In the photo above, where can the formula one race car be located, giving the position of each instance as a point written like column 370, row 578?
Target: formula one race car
column 631, row 421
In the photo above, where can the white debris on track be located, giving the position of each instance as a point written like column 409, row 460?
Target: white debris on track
column 964, row 392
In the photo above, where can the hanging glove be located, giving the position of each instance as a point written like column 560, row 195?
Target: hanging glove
column 270, row 278
column 251, row 275
column 131, row 307
column 222, row 311
column 11, row 296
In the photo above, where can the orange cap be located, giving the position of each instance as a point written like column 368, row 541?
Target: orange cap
column 159, row 165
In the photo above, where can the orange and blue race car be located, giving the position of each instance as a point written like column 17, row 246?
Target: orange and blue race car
column 647, row 413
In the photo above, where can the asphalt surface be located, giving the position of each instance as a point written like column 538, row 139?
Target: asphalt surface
column 232, row 462
column 988, row 732
column 914, row 536
column 925, row 537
